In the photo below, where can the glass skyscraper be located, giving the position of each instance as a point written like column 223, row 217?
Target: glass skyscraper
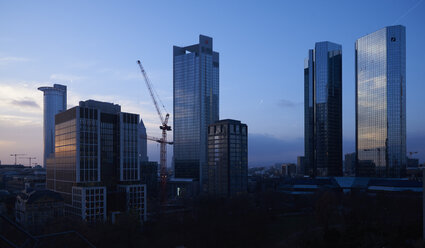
column 196, row 105
column 54, row 102
column 323, row 110
column 381, row 102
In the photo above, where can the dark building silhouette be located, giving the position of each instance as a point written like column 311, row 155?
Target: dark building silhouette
column 323, row 110
column 227, row 158
column 143, row 147
column 300, row 165
column 34, row 208
column 149, row 177
column 196, row 105
column 350, row 163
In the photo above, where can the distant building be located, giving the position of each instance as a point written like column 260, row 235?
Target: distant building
column 54, row 102
column 423, row 206
column 323, row 110
column 381, row 103
column 15, row 178
column 412, row 162
column 350, row 163
column 289, row 170
column 196, row 105
column 300, row 165
column 143, row 148
column 182, row 188
column 34, row 208
column 96, row 162
column 227, row 158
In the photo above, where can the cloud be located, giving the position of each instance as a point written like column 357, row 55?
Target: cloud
column 20, row 99
column 284, row 103
column 65, row 77
column 25, row 103
column 8, row 60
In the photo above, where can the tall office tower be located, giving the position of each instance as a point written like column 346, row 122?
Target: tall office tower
column 227, row 158
column 323, row 110
column 143, row 148
column 196, row 105
column 95, row 166
column 54, row 102
column 381, row 103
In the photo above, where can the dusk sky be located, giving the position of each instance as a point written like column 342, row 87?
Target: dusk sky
column 92, row 47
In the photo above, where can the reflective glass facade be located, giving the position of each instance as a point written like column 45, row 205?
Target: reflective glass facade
column 54, row 101
column 196, row 105
column 323, row 110
column 381, row 103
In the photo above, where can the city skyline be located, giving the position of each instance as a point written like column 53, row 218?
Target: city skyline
column 271, row 98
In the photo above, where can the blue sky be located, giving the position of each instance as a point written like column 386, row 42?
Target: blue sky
column 93, row 46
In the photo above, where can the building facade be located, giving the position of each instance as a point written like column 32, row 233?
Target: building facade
column 34, row 208
column 143, row 148
column 323, row 110
column 149, row 177
column 350, row 164
column 96, row 158
column 381, row 103
column 196, row 105
column 227, row 158
column 300, row 165
column 54, row 101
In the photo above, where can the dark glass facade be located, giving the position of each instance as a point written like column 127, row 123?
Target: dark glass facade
column 323, row 110
column 196, row 105
column 381, row 103
column 227, row 158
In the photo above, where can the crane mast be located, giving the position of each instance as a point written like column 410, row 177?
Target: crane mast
column 16, row 156
column 29, row 159
column 164, row 127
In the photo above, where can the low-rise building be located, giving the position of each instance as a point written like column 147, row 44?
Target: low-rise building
column 34, row 208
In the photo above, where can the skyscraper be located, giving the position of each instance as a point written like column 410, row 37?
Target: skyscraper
column 323, row 110
column 95, row 166
column 196, row 105
column 227, row 158
column 381, row 102
column 143, row 148
column 54, row 101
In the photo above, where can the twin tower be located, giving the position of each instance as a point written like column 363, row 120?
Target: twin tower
column 380, row 78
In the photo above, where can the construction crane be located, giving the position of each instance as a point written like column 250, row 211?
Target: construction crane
column 411, row 153
column 16, row 156
column 164, row 127
column 29, row 159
